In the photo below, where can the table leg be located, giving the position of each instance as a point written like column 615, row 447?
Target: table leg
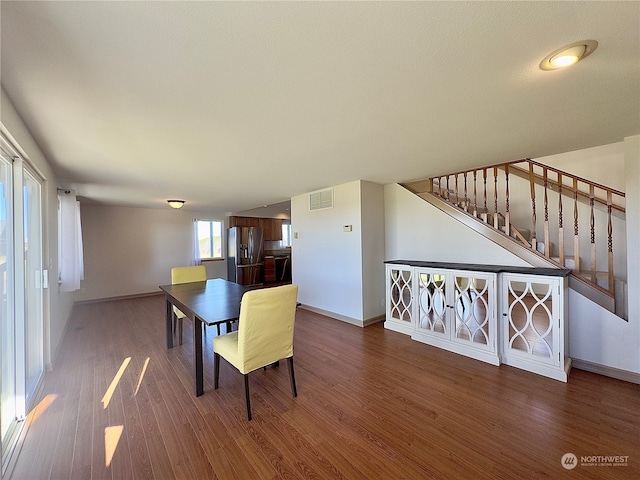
column 197, row 351
column 169, row 330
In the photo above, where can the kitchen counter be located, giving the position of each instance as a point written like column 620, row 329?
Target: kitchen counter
column 279, row 252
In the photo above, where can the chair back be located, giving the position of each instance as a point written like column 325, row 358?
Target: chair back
column 265, row 327
column 197, row 273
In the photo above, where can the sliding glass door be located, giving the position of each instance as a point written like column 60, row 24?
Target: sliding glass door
column 7, row 329
column 21, row 292
column 32, row 241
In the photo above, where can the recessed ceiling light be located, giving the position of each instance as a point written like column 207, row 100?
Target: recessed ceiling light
column 568, row 55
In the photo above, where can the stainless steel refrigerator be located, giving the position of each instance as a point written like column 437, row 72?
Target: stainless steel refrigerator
column 245, row 255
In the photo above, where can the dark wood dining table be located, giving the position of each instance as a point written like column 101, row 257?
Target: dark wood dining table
column 212, row 302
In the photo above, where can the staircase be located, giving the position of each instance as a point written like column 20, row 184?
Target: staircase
column 523, row 205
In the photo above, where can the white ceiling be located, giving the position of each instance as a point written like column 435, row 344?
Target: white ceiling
column 232, row 105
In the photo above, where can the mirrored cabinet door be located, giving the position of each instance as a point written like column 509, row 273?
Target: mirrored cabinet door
column 399, row 315
column 474, row 309
column 432, row 302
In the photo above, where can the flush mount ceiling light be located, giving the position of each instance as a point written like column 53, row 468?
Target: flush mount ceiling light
column 175, row 203
column 568, row 55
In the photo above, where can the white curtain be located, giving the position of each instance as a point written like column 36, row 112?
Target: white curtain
column 196, row 244
column 71, row 252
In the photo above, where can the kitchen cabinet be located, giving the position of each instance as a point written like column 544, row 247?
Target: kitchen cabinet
column 272, row 227
column 269, row 269
column 455, row 307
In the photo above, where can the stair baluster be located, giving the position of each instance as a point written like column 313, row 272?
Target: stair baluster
column 466, row 197
column 484, row 181
column 610, row 241
column 560, row 222
column 547, row 246
column 532, row 188
column 495, row 198
column 475, row 193
column 576, row 237
column 507, row 213
column 592, row 224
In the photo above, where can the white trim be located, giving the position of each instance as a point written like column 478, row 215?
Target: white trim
column 632, row 377
column 344, row 318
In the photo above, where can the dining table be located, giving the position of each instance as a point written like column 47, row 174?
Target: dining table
column 210, row 302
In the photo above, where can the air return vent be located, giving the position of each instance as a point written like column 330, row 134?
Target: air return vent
column 321, row 199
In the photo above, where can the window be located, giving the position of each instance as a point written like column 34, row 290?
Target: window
column 209, row 239
column 286, row 234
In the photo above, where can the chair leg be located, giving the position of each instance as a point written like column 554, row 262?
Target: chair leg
column 292, row 377
column 218, row 328
column 247, row 396
column 180, row 331
column 216, row 369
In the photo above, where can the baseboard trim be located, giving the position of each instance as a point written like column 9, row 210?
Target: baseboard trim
column 612, row 372
column 373, row 320
column 344, row 318
column 113, row 299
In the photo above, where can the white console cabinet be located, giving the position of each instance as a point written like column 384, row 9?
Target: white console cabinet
column 511, row 315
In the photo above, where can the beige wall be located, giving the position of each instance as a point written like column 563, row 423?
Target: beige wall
column 130, row 251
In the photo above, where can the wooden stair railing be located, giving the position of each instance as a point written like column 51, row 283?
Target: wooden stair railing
column 473, row 192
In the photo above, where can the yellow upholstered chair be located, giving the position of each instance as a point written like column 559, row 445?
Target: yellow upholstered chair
column 196, row 273
column 264, row 335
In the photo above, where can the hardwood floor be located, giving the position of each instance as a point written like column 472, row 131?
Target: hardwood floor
column 372, row 404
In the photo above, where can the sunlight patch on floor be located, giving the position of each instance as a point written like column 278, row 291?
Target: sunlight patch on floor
column 39, row 409
column 144, row 369
column 114, row 383
column 111, row 439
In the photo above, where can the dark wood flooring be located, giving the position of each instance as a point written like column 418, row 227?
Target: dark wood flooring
column 372, row 404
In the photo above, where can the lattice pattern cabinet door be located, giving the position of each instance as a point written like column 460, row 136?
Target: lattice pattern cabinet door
column 533, row 324
column 432, row 309
column 475, row 310
column 399, row 304
column 456, row 310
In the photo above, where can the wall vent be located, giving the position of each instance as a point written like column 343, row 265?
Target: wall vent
column 321, row 199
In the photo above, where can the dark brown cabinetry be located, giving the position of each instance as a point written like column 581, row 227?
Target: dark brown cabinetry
column 269, row 269
column 272, row 227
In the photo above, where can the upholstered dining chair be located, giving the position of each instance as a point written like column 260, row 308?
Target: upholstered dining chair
column 197, row 273
column 264, row 335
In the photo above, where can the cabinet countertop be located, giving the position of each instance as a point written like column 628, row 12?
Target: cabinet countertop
column 552, row 272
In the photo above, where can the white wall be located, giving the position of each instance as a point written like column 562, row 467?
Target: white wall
column 415, row 230
column 372, row 241
column 57, row 305
column 586, row 161
column 596, row 335
column 130, row 251
column 328, row 264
